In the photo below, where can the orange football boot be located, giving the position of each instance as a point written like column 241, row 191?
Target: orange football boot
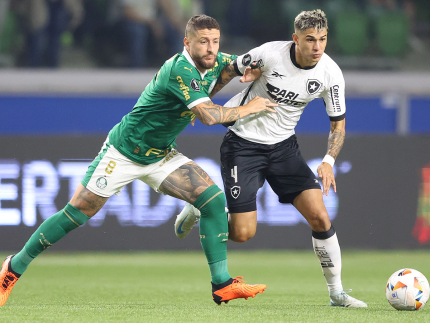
column 8, row 278
column 235, row 288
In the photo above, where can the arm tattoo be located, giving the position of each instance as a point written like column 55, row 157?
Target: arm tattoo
column 227, row 74
column 335, row 142
column 187, row 182
column 210, row 113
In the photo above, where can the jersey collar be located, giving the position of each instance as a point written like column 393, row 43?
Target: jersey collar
column 190, row 60
column 293, row 58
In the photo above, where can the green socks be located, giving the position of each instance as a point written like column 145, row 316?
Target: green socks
column 214, row 232
column 48, row 233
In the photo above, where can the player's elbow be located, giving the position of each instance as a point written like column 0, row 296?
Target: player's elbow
column 209, row 122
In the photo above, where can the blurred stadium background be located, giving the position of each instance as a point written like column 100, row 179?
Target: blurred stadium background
column 69, row 70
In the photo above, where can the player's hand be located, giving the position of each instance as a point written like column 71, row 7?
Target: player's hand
column 325, row 172
column 252, row 73
column 259, row 104
column 193, row 120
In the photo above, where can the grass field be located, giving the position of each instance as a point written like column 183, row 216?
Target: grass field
column 175, row 287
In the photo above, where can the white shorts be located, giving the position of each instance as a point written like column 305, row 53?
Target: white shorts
column 111, row 171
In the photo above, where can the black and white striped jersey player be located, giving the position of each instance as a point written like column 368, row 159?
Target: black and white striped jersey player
column 263, row 147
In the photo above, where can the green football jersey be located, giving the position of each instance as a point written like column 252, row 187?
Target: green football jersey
column 149, row 131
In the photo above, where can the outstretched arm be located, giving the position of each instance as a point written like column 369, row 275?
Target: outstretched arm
column 335, row 143
column 210, row 113
column 229, row 72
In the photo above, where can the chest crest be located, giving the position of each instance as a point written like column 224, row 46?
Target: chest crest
column 313, row 86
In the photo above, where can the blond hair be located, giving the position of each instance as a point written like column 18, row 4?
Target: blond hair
column 315, row 19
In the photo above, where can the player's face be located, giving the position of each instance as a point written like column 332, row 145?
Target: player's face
column 310, row 46
column 203, row 47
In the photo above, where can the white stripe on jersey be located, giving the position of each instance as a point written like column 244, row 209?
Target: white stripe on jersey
column 291, row 87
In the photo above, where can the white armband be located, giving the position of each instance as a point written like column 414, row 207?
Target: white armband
column 329, row 160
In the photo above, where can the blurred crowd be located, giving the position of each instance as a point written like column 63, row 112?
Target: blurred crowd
column 143, row 33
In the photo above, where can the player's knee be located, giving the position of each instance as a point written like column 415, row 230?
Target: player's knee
column 241, row 234
column 319, row 222
column 86, row 207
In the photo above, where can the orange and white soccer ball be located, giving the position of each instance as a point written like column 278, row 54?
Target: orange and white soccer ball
column 407, row 290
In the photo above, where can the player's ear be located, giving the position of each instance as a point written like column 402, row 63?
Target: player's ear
column 187, row 43
column 296, row 39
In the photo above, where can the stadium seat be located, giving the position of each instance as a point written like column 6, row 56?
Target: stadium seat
column 351, row 32
column 392, row 31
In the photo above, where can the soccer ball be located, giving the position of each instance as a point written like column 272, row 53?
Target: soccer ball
column 407, row 290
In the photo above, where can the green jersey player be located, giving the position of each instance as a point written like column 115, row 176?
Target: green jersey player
column 142, row 147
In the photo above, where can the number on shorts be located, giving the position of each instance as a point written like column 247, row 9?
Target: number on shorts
column 234, row 173
column 110, row 167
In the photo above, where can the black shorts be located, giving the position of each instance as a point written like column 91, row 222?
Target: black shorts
column 245, row 165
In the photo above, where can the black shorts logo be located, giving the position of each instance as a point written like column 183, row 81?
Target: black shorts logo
column 246, row 60
column 235, row 191
column 195, row 85
column 312, row 86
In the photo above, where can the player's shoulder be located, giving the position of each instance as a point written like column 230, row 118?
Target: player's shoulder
column 181, row 64
column 274, row 47
column 224, row 59
column 330, row 65
column 222, row 55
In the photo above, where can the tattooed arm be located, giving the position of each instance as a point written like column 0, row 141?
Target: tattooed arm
column 229, row 72
column 210, row 113
column 335, row 143
column 336, row 138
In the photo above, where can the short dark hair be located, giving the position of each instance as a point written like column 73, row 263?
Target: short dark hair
column 200, row 22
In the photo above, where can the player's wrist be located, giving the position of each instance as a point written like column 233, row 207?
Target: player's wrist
column 329, row 160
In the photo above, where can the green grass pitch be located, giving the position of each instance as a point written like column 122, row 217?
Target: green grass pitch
column 175, row 287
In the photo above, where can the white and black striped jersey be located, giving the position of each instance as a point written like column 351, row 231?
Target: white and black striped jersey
column 291, row 86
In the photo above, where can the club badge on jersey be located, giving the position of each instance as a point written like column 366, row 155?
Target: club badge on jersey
column 312, row 86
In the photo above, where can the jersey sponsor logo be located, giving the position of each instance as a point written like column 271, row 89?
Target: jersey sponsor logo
column 158, row 152
column 276, row 74
column 246, row 60
column 334, row 92
column 187, row 68
column 195, row 85
column 101, row 183
column 313, row 86
column 283, row 96
column 183, row 87
column 187, row 113
column 235, row 191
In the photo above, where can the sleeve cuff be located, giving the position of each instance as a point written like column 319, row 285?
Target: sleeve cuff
column 194, row 103
column 338, row 118
column 236, row 68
